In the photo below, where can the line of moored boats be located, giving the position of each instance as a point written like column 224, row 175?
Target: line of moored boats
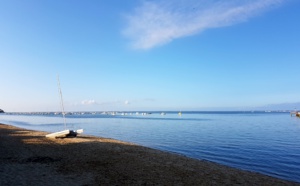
column 113, row 113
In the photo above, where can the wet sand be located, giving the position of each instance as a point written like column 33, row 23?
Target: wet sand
column 28, row 158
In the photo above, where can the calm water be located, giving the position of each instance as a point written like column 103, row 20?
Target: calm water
column 268, row 143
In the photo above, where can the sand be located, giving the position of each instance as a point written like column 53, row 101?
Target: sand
column 28, row 158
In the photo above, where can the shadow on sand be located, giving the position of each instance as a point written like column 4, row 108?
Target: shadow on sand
column 28, row 158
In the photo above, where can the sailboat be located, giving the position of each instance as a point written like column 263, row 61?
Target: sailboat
column 66, row 132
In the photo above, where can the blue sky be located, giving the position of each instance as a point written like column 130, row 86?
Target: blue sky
column 149, row 55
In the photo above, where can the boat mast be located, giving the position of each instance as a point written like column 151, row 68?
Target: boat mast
column 61, row 102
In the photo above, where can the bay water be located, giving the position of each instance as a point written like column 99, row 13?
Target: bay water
column 264, row 142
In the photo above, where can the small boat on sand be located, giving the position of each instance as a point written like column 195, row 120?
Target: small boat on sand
column 67, row 132
column 64, row 134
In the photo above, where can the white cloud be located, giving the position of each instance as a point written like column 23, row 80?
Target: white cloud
column 126, row 102
column 158, row 22
column 116, row 102
column 89, row 102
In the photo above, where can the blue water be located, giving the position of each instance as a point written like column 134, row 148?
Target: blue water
column 268, row 143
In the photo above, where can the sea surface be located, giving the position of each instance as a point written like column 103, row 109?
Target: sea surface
column 264, row 142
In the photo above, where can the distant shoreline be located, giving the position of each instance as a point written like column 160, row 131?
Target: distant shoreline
column 88, row 160
column 148, row 112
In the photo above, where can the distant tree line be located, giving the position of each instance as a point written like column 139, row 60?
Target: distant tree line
column 1, row 111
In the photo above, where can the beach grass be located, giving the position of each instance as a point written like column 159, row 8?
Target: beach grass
column 27, row 157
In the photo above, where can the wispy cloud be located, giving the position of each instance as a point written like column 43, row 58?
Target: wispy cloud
column 93, row 102
column 89, row 102
column 158, row 22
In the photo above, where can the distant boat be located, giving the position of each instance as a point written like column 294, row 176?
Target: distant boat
column 163, row 113
column 296, row 113
column 66, row 132
column 179, row 113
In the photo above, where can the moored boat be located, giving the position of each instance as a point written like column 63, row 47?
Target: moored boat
column 296, row 113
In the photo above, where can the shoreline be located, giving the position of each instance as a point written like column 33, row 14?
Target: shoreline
column 27, row 157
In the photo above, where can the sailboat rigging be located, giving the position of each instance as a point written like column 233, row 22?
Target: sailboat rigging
column 61, row 102
column 66, row 132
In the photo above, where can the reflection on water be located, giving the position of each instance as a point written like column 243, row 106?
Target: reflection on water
column 263, row 142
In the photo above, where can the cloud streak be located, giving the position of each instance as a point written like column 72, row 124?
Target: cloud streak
column 116, row 102
column 89, row 102
column 158, row 22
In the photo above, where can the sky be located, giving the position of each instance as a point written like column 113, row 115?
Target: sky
column 148, row 54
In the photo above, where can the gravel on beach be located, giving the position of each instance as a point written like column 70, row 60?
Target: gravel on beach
column 27, row 157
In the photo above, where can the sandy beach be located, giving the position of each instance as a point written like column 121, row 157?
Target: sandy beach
column 28, row 158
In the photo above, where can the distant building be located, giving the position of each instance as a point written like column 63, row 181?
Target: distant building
column 1, row 111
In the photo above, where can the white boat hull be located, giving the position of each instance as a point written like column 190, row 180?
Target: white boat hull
column 65, row 133
column 60, row 134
